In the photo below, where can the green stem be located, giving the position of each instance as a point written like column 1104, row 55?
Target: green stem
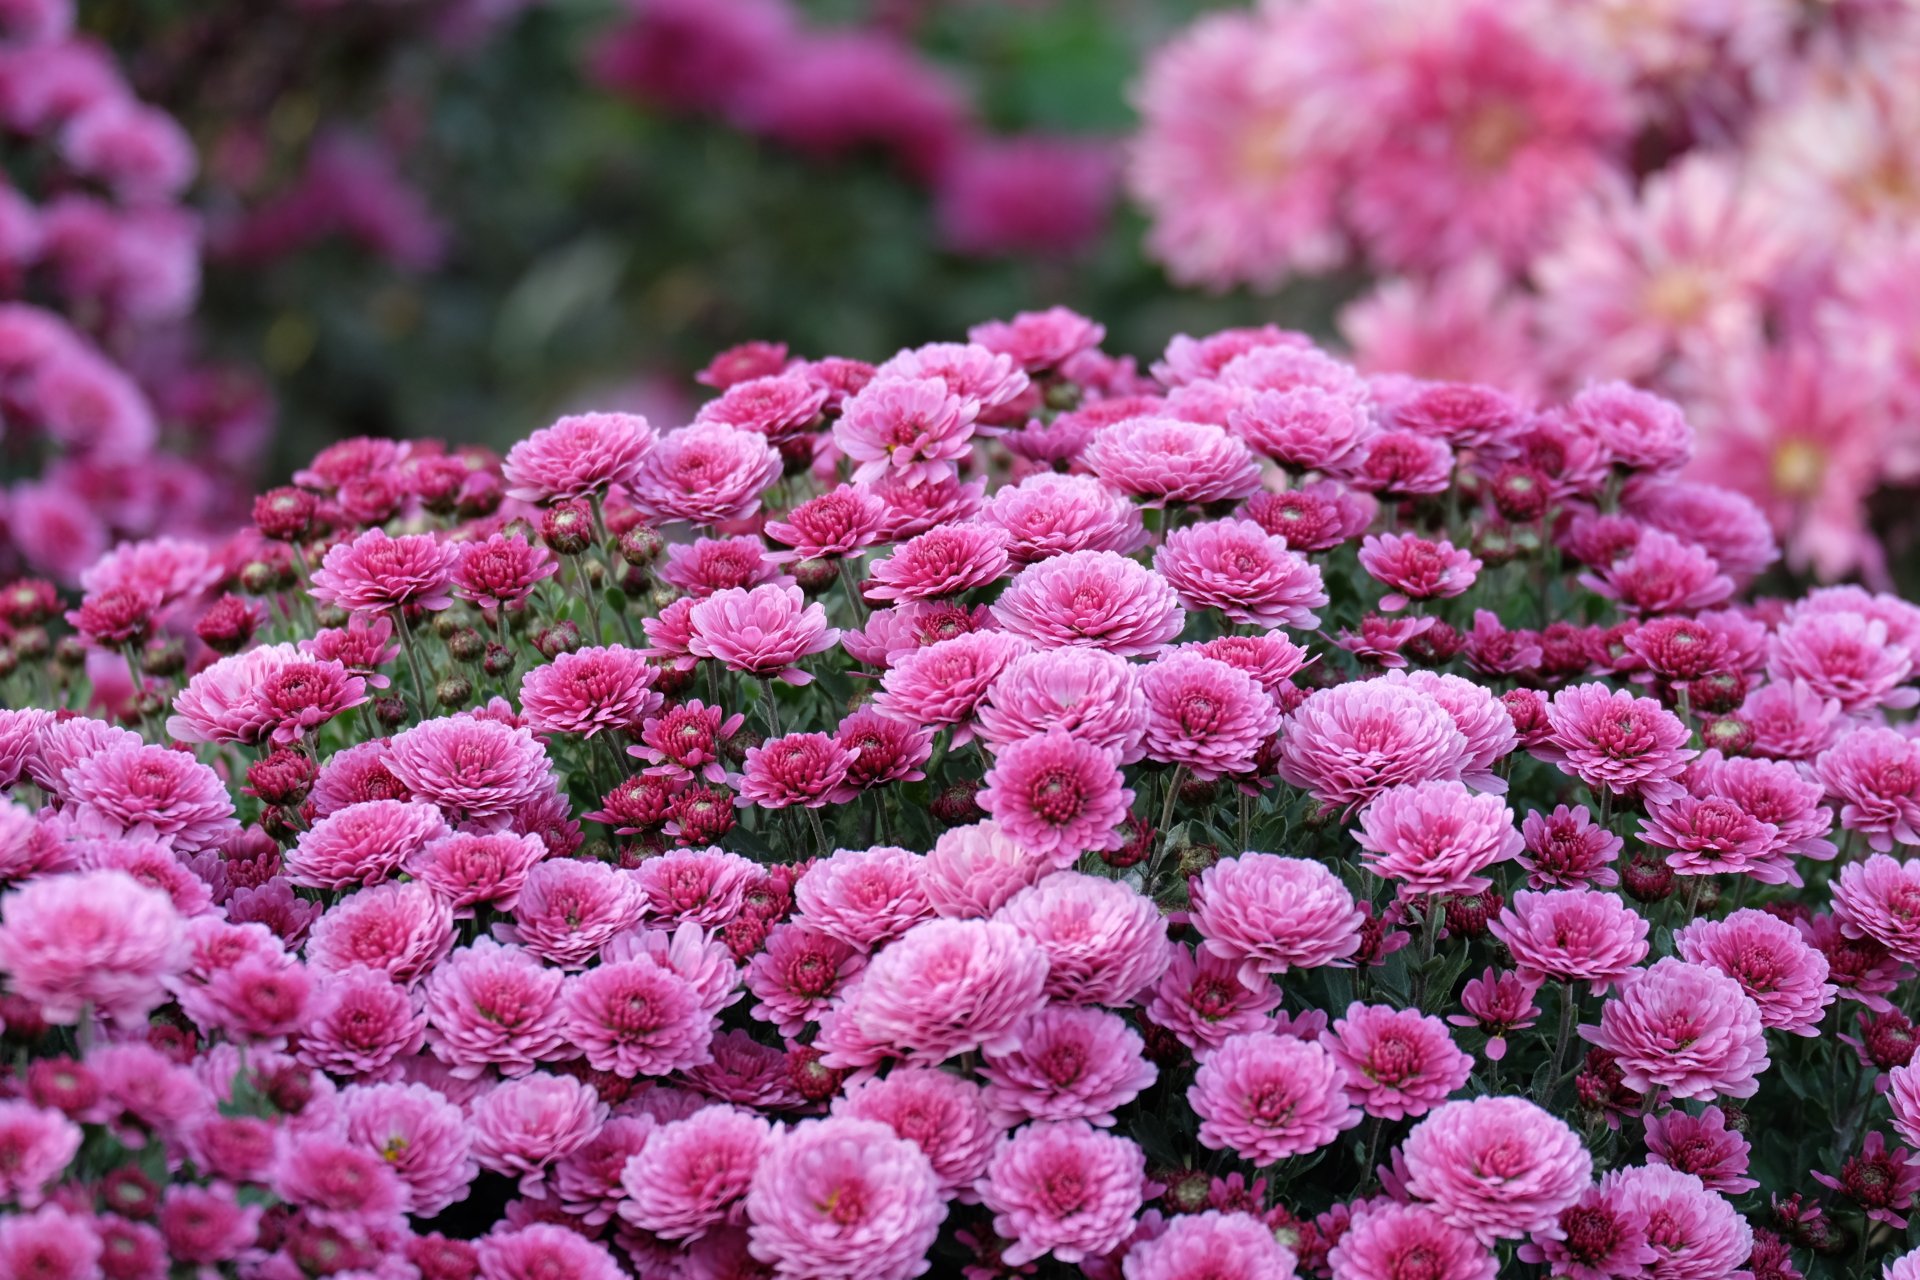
column 769, row 710
column 413, row 657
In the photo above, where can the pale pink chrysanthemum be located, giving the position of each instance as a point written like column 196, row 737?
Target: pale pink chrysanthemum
column 1266, row 1097
column 1396, row 1062
column 1104, row 941
column 466, row 869
column 944, row 561
column 694, row 1172
column 796, row 974
column 1048, row 514
column 354, row 776
column 1210, row 1246
column 589, row 690
column 1162, row 460
column 705, row 474
column 359, row 1022
column 688, row 951
column 1875, row 774
column 892, row 633
column 864, row 897
column 1314, row 517
column 569, row 908
column 944, row 683
column 1346, row 744
column 1630, row 745
column 1416, row 568
column 175, row 571
column 1205, row 715
column 1245, row 572
column 1039, row 340
column 1638, row 429
column 780, row 406
column 1790, row 721
column 1478, row 714
column 987, row 379
column 1661, row 574
column 374, row 573
column 1778, row 794
column 421, row 1136
column 150, row 862
column 1703, row 1146
column 1058, row 795
column 579, row 455
column 401, row 929
column 1201, row 1001
column 913, row 428
column 947, row 987
column 1846, row 657
column 973, row 870
column 844, row 1197
column 333, row 1182
column 764, row 632
column 94, row 940
column 1685, row 1029
column 1098, row 599
column 1690, row 1230
column 490, row 1005
column 1270, row 914
column 1436, row 837
column 540, row 1249
column 943, row 1114
column 1498, row 1167
column 1090, row 693
column 1387, row 1239
column 808, row 769
column 138, row 790
column 1271, row 659
column 53, row 1242
column 1071, row 1064
column 685, row 740
column 841, row 522
column 1399, row 464
column 1572, row 935
column 922, row 507
column 1880, row 899
column 38, row 1144
column 1064, row 1188
column 362, row 844
column 696, row 886
column 474, row 768
column 670, row 634
column 1304, row 428
column 1901, row 617
column 520, row 1127
column 1730, row 525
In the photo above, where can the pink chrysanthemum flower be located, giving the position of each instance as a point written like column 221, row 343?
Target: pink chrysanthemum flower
column 374, row 573
column 1399, row 464
column 1270, row 914
column 39, row 1143
column 1204, row 715
column 466, row 870
column 943, row 1114
column 1272, row 660
column 502, row 572
column 1846, row 657
column 1568, row 850
column 705, row 474
column 914, row 428
column 60, row 1245
column 1703, row 1146
column 1598, row 1237
column 1304, row 428
column 359, row 1022
column 883, row 749
column 764, row 632
column 684, row 741
column 1498, row 1167
column 694, row 1172
column 844, row 1197
column 1397, row 1062
column 1416, row 568
column 797, row 973
column 362, row 843
column 579, row 455
column 1164, row 460
column 989, row 379
column 949, row 986
column 1790, row 721
column 540, row 1249
column 1685, row 1029
column 1661, row 574
column 1784, row 976
column 1201, row 1001
column 1071, row 1064
column 808, row 769
column 707, row 565
column 945, row 682
column 1049, row 514
column 1880, row 899
column 421, row 1136
column 1713, row 835
column 1689, row 1228
column 1063, row 1188
column 94, row 939
column 1632, row 746
column 972, row 871
column 273, row 693
column 1436, row 837
column 1058, row 795
column 891, row 634
column 1314, row 517
column 569, row 908
column 1039, row 340
column 474, row 768
column 1090, row 693
column 587, row 1181
column 1875, row 774
column 922, row 507
column 1497, row 1004
column 1479, row 715
column 1730, row 525
column 780, row 406
column 1387, row 1239
column 490, row 1005
column 1239, row 568
column 401, row 929
column 1266, row 1097
column 137, row 790
column 1223, row 1246
column 864, row 897
column 1572, row 935
column 696, row 886
column 945, row 561
column 841, row 522
column 1348, row 743
column 1104, row 941
column 356, row 775
column 522, row 1126
column 1098, row 599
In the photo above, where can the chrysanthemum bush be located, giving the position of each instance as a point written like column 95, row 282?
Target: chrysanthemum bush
column 998, row 813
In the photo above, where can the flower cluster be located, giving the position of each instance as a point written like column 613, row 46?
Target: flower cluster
column 996, row 813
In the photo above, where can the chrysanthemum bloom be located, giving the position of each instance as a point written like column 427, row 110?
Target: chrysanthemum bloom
column 841, row 522
column 922, row 507
column 400, row 929
column 1845, row 657
column 865, row 897
column 589, row 690
column 685, row 740
column 1498, row 1167
column 844, row 1197
column 502, row 572
column 808, row 769
column 989, row 379
column 336, row 1183
column 1049, row 514
column 1685, row 1029
column 1498, row 1004
column 1396, row 1062
column 1071, row 1064
column 1715, row 835
column 1220, row 1246
column 1903, row 1095
column 796, row 974
column 1201, row 1001
column 705, row 474
column 1875, row 774
column 1776, row 793
column 491, row 1005
column 472, row 767
column 90, row 939
column 579, row 455
column 205, row 1225
column 1703, row 1146
column 374, row 572
column 1572, row 935
column 362, row 843
column 1057, row 795
column 143, row 790
column 359, row 1022
column 1166, row 460
column 421, row 1136
column 271, row 693
column 1661, row 574
column 1265, row 1097
column 1399, row 464
column 1435, row 837
column 700, row 886
column 1063, row 1187
column 1790, row 721
column 1387, row 1239
column 883, row 749
column 1566, row 849
column 1104, row 941
column 587, row 1181
column 780, row 406
column 568, row 908
column 1205, row 715
column 1303, row 427
column 914, row 428
column 636, row 1018
column 1690, row 1230
column 763, row 632
column 1039, row 340
column 149, row 862
column 1599, row 1236
column 1784, row 976
column 1880, row 899
column 37, row 1144
column 467, row 870
column 1090, row 693
column 694, row 1171
column 1480, row 716
column 543, row 1249
column 1239, row 568
column 1269, row 914
column 522, row 1126
column 1631, row 746
column 1881, row 1182
column 1346, row 744
column 1098, row 599
column 941, row 562
column 949, row 986
column 943, row 683
column 973, row 870
column 943, row 1114
column 1415, row 568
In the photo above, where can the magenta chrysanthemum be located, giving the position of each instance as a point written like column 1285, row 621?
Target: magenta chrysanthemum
column 763, row 632
column 589, row 690
column 1104, row 942
column 1270, row 914
column 844, row 1197
column 1348, row 743
column 374, row 573
column 1572, row 935
column 1063, row 1188
column 1167, row 460
column 1397, row 1062
column 705, row 474
column 1098, row 599
column 581, row 454
column 1245, row 572
column 1436, row 837
column 1058, row 795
